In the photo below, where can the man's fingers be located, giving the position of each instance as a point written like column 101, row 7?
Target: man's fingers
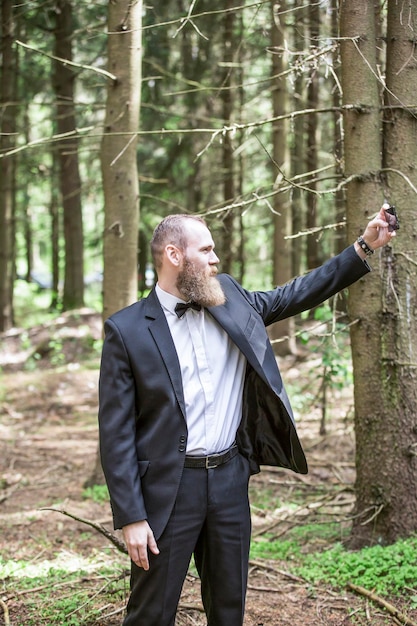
column 153, row 547
column 139, row 556
column 138, row 550
column 143, row 558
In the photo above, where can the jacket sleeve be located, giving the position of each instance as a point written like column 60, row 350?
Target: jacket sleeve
column 117, row 417
column 310, row 290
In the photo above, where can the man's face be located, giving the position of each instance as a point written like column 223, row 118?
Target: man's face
column 197, row 276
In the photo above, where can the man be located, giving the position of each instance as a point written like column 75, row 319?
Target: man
column 191, row 404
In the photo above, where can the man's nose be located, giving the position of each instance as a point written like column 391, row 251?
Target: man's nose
column 214, row 259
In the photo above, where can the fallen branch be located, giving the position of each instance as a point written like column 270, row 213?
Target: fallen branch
column 275, row 570
column 186, row 606
column 264, row 589
column 405, row 621
column 101, row 529
column 301, row 512
column 5, row 612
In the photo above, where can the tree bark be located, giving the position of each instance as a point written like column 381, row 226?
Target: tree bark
column 339, row 195
column 386, row 430
column 54, row 214
column 70, row 182
column 227, row 144
column 362, row 148
column 383, row 345
column 7, row 130
column 312, row 126
column 118, row 156
column 281, row 333
column 298, row 150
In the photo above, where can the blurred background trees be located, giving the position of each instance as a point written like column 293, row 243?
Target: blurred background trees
column 285, row 125
column 209, row 113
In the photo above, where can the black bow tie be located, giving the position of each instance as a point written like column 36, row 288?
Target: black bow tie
column 181, row 307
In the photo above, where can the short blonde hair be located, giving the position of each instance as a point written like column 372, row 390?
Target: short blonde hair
column 171, row 231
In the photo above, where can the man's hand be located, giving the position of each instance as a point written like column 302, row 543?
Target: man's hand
column 376, row 233
column 138, row 538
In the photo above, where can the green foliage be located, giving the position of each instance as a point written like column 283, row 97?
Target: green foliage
column 31, row 305
column 280, row 550
column 261, row 497
column 386, row 570
column 72, row 604
column 329, row 532
column 96, row 493
column 330, row 341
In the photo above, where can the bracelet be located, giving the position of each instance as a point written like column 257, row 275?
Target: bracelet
column 367, row 249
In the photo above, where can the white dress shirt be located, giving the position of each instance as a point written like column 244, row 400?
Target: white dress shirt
column 213, row 371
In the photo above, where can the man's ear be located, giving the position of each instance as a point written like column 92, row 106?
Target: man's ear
column 173, row 254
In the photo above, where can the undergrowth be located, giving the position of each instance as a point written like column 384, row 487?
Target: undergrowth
column 68, row 591
column 96, row 493
column 387, row 571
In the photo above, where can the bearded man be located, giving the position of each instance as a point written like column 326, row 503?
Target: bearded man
column 191, row 404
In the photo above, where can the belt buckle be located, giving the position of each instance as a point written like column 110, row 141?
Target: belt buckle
column 211, row 464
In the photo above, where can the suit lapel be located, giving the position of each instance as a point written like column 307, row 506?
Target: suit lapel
column 159, row 329
column 222, row 315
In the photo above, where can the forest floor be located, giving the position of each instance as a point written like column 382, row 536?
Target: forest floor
column 48, row 445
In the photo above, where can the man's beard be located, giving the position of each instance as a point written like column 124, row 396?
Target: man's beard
column 195, row 285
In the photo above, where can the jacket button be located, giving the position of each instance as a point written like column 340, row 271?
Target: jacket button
column 183, row 439
column 181, row 448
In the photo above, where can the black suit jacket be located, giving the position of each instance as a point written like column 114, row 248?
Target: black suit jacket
column 143, row 432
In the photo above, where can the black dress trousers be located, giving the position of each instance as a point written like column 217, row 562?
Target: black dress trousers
column 211, row 519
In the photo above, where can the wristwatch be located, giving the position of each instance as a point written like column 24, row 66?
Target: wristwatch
column 364, row 246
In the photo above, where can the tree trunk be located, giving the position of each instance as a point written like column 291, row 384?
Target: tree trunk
column 362, row 168
column 298, row 151
column 54, row 214
column 339, row 195
column 362, row 149
column 227, row 143
column 118, row 157
column 27, row 213
column 281, row 333
column 70, row 183
column 312, row 124
column 386, row 430
column 7, row 130
column 119, row 166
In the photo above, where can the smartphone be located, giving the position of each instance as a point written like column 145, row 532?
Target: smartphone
column 392, row 218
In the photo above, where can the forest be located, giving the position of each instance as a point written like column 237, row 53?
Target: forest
column 285, row 125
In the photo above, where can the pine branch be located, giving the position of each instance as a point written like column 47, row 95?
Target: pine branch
column 67, row 62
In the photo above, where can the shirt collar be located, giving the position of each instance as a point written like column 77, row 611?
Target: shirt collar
column 167, row 300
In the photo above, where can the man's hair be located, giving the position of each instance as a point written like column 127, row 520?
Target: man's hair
column 171, row 231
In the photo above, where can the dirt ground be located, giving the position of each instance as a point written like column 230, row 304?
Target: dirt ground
column 48, row 445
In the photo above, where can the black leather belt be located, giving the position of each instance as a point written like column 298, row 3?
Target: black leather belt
column 212, row 460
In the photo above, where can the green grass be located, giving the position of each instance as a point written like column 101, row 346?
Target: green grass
column 69, row 590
